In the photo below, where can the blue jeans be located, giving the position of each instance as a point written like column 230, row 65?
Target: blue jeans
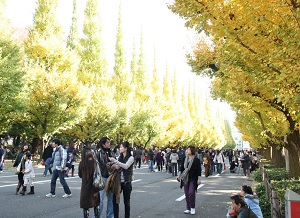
column 61, row 174
column 1, row 165
column 212, row 168
column 219, row 168
column 109, row 207
column 47, row 167
column 150, row 165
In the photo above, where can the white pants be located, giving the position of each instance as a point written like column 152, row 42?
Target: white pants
column 28, row 180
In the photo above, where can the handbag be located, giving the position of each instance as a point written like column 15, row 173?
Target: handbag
column 18, row 168
column 98, row 182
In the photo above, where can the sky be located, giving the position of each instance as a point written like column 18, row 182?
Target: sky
column 160, row 28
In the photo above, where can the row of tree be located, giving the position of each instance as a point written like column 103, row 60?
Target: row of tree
column 56, row 87
column 254, row 61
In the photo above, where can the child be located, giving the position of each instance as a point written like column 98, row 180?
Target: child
column 28, row 175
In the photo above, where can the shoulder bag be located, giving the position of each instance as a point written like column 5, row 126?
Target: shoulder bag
column 18, row 168
column 98, row 182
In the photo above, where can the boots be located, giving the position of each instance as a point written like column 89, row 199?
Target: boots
column 23, row 190
column 67, row 172
column 31, row 190
column 86, row 213
column 96, row 212
column 18, row 188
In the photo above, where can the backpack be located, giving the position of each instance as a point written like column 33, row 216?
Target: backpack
column 181, row 155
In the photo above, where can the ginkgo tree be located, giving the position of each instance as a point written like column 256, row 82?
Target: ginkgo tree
column 11, row 73
column 253, row 58
column 52, row 95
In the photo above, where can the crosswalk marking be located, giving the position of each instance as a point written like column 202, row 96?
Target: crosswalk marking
column 183, row 196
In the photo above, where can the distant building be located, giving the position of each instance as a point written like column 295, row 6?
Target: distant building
column 240, row 144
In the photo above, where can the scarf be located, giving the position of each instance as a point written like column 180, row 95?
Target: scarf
column 184, row 176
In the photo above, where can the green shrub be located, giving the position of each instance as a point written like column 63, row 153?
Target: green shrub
column 264, row 203
column 282, row 186
column 257, row 176
column 277, row 174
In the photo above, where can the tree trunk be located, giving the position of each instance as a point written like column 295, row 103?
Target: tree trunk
column 293, row 144
column 267, row 153
column 277, row 157
column 35, row 148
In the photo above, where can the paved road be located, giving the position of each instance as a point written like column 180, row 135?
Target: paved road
column 154, row 195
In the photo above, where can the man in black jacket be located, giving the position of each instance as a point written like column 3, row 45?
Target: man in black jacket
column 46, row 158
column 103, row 154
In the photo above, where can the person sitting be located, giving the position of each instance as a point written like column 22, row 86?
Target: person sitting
column 239, row 208
column 251, row 200
column 233, row 167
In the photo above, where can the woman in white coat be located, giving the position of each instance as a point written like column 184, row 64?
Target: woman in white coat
column 219, row 160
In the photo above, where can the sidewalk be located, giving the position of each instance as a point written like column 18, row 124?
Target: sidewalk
column 214, row 196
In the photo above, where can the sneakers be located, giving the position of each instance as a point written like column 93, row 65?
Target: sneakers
column 50, row 195
column 67, row 195
column 193, row 211
column 186, row 211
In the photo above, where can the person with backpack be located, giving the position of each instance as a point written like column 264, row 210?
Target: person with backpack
column 59, row 162
column 181, row 156
column 174, row 161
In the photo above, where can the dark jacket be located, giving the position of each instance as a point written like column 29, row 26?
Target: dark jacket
column 150, row 154
column 47, row 153
column 246, row 212
column 159, row 157
column 138, row 153
column 103, row 159
column 19, row 158
column 89, row 197
column 194, row 172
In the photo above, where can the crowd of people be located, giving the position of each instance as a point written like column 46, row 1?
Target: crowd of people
column 116, row 168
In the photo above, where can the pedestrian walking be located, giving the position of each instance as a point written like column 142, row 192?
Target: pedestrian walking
column 125, row 163
column 190, row 174
column 138, row 157
column 20, row 159
column 181, row 156
column 246, row 163
column 159, row 160
column 219, row 161
column 89, row 197
column 151, row 159
column 72, row 152
column 2, row 155
column 174, row 158
column 59, row 161
column 207, row 164
column 46, row 158
column 29, row 175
